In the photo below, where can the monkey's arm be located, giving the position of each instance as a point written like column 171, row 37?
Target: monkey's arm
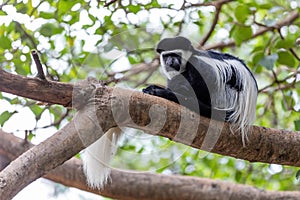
column 191, row 103
column 165, row 93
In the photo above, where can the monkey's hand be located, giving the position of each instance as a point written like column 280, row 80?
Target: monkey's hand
column 153, row 90
column 159, row 91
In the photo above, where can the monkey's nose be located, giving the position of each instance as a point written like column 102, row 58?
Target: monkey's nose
column 169, row 61
column 172, row 63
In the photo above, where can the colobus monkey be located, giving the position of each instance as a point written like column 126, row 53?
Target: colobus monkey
column 215, row 85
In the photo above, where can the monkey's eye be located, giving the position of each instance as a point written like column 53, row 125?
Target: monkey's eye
column 172, row 61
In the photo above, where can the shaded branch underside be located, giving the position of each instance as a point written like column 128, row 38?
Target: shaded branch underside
column 143, row 185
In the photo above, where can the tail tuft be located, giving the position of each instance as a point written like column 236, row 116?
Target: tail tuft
column 97, row 156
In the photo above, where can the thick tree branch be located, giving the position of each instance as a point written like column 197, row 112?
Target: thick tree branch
column 39, row 160
column 48, row 91
column 290, row 18
column 143, row 184
column 109, row 107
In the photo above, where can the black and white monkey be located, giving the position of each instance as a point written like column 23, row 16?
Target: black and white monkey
column 215, row 85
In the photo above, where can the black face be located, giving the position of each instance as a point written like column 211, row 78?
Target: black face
column 172, row 61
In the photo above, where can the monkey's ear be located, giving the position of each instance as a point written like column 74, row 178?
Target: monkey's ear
column 169, row 44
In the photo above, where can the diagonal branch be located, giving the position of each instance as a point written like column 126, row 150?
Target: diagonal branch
column 218, row 5
column 142, row 184
column 210, row 3
column 290, row 18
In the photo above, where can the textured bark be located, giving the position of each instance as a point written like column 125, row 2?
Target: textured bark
column 130, row 108
column 144, row 185
column 109, row 107
column 46, row 156
column 53, row 92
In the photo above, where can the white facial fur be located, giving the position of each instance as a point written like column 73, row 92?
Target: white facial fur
column 185, row 57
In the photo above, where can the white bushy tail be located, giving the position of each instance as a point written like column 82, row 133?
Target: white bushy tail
column 97, row 156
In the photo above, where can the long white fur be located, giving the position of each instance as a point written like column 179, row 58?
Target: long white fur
column 97, row 156
column 243, row 103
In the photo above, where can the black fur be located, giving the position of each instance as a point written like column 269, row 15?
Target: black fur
column 174, row 43
column 191, row 89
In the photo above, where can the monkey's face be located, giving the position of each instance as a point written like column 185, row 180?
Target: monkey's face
column 174, row 62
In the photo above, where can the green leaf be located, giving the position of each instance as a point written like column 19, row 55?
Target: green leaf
column 46, row 15
column 93, row 60
column 50, row 29
column 37, row 110
column 297, row 128
column 265, row 6
column 241, row 13
column 286, row 58
column 152, row 4
column 257, row 56
column 134, row 8
column 5, row 116
column 65, row 6
column 5, row 43
column 30, row 136
column 286, row 44
column 241, row 33
column 268, row 61
column 22, row 69
column 15, row 100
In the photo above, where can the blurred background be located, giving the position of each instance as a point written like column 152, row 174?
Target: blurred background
column 114, row 41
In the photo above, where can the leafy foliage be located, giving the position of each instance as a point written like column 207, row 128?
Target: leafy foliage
column 116, row 44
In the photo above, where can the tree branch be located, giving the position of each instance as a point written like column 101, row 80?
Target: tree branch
column 38, row 64
column 48, row 91
column 218, row 5
column 109, row 107
column 143, row 184
column 290, row 18
column 212, row 3
column 265, row 144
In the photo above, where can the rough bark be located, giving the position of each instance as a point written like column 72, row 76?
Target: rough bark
column 49, row 154
column 131, row 108
column 109, row 107
column 52, row 93
column 144, row 185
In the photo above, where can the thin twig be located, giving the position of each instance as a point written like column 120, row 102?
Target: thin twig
column 56, row 123
column 212, row 3
column 290, row 49
column 286, row 21
column 109, row 3
column 218, row 6
column 279, row 81
column 4, row 4
column 38, row 64
column 25, row 35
